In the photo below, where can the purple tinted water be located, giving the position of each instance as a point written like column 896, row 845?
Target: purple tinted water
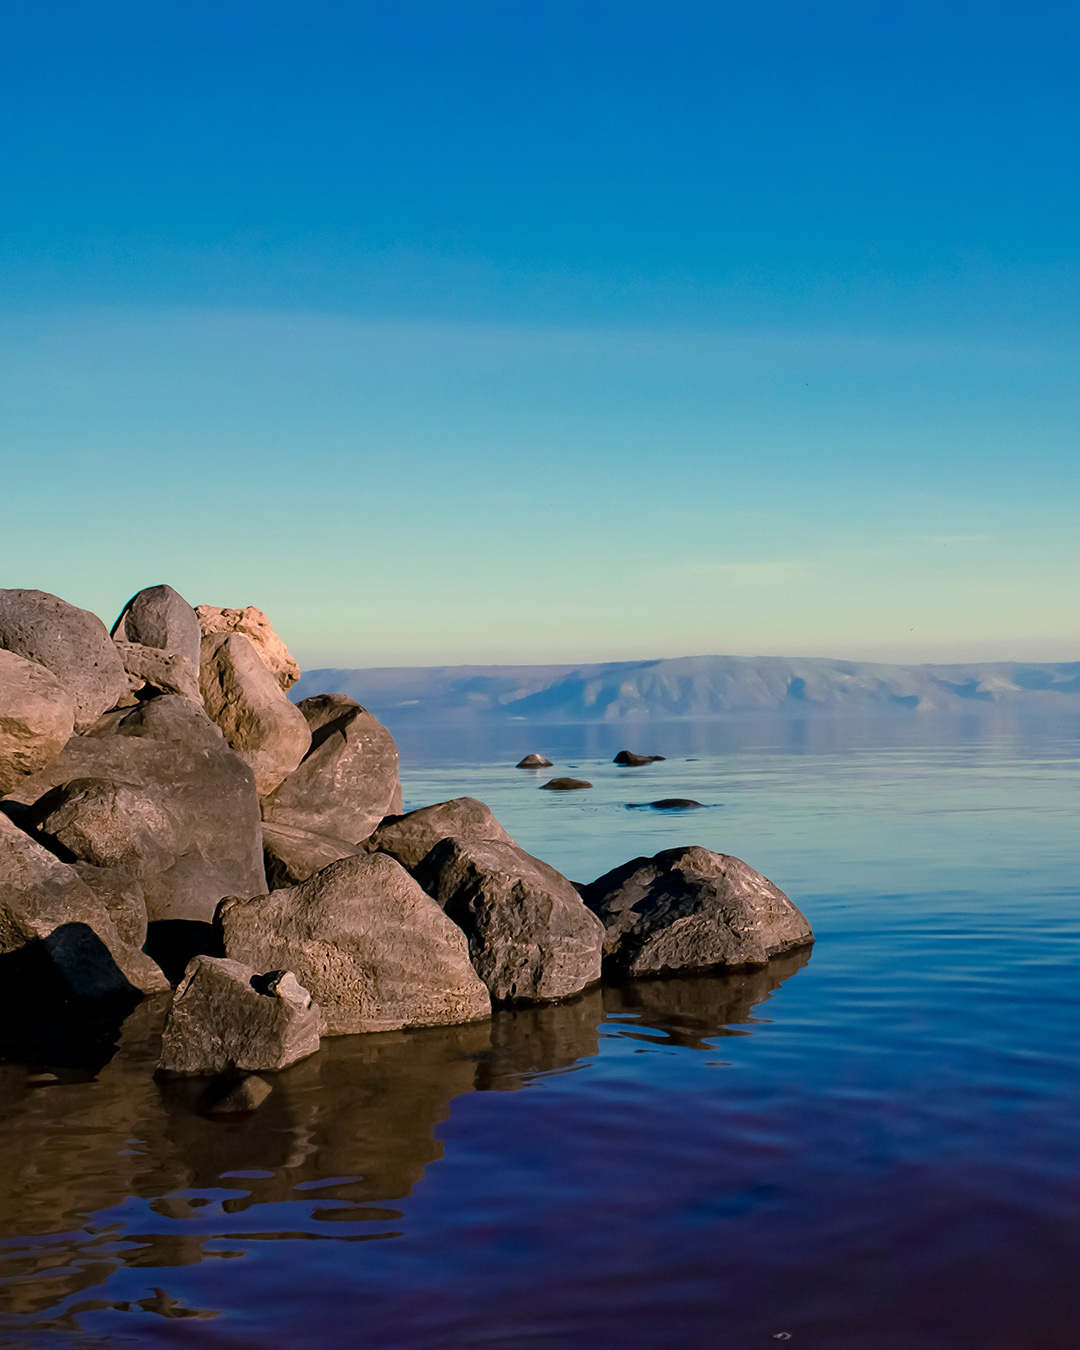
column 876, row 1145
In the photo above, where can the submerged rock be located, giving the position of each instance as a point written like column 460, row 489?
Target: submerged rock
column 37, row 717
column 533, row 762
column 667, row 804
column 627, row 757
column 160, row 618
column 235, row 1096
column 564, row 785
column 409, row 838
column 691, row 909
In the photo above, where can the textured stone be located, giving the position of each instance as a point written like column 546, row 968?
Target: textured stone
column 530, row 937
column 236, row 1096
column 122, row 896
column 533, row 762
column 37, row 715
column 51, row 917
column 161, row 618
column 291, row 856
column 153, row 669
column 348, row 780
column 263, row 728
column 254, row 624
column 565, row 785
column 226, row 1018
column 70, row 642
column 411, row 837
column 691, row 909
column 192, row 805
column 376, row 952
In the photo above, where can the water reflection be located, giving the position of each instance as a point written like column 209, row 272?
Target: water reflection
column 118, row 1172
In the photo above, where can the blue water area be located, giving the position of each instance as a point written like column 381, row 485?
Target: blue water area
column 872, row 1144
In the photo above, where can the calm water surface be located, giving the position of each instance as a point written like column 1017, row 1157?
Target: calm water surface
column 876, row 1145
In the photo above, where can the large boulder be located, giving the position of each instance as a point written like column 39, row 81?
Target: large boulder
column 225, row 1018
column 156, row 793
column 411, row 837
column 161, row 618
column 37, row 716
column 154, row 670
column 291, row 856
column 122, row 896
column 376, row 952
column 691, row 909
column 263, row 728
column 348, row 780
column 530, row 937
column 70, row 642
column 254, row 624
column 56, row 935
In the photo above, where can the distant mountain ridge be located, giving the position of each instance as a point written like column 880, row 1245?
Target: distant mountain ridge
column 697, row 687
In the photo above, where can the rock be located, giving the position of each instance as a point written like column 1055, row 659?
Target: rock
column 531, row 939
column 263, row 728
column 59, row 932
column 70, row 642
column 291, row 856
column 254, row 624
column 628, row 757
column 235, row 1096
column 376, row 952
column 666, row 804
column 348, row 780
column 152, row 669
column 225, row 1017
column 122, row 896
column 564, row 785
column 168, row 803
column 159, row 617
column 691, row 909
column 533, row 762
column 411, row 837
column 37, row 716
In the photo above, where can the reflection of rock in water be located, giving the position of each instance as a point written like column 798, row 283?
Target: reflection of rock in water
column 363, row 1111
column 688, row 1009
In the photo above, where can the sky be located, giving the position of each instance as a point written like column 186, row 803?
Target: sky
column 454, row 331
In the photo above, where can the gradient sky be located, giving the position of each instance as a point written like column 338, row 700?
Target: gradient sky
column 499, row 330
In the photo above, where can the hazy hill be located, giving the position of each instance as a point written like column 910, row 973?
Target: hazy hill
column 697, row 687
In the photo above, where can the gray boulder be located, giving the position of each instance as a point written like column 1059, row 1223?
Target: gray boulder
column 70, row 642
column 348, row 780
column 59, row 930
column 37, row 716
column 155, row 670
column 376, row 952
column 411, row 837
column 291, row 856
column 263, row 728
column 691, row 909
column 156, row 793
column 530, row 937
column 160, row 617
column 226, row 1018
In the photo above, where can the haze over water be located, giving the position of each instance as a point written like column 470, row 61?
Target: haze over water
column 870, row 1145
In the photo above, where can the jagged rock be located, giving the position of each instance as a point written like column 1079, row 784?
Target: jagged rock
column 59, row 932
column 409, row 838
column 161, row 618
column 690, row 909
column 177, row 791
column 254, row 624
column 376, row 952
column 348, row 780
column 225, row 1017
column 291, row 856
column 153, row 669
column 122, row 896
column 530, row 936
column 263, row 728
column 564, row 785
column 70, row 642
column 533, row 762
column 627, row 757
column 37, row 716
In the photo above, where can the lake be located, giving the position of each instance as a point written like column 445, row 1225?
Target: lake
column 875, row 1143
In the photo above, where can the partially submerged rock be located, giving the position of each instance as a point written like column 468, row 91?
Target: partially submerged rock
column 348, row 779
column 627, row 757
column 262, row 727
column 533, row 762
column 226, row 1018
column 235, row 1096
column 376, row 952
column 531, row 939
column 565, row 785
column 691, row 909
column 409, row 838
column 291, row 856
column 37, row 716
column 667, row 804
column 159, row 617
column 254, row 625
column 70, row 642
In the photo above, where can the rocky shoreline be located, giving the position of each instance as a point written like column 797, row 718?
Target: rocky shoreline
column 169, row 817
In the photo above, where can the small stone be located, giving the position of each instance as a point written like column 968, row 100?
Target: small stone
column 627, row 757
column 533, row 762
column 564, row 785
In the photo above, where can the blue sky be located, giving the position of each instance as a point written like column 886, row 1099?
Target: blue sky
column 549, row 331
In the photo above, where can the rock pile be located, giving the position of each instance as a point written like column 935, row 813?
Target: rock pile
column 158, row 780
